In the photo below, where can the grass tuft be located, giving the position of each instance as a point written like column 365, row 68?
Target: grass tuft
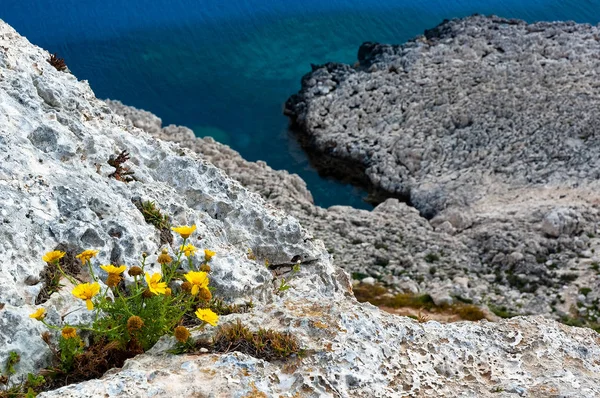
column 264, row 343
column 153, row 215
column 378, row 295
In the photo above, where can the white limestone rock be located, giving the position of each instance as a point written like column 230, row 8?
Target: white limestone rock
column 55, row 139
column 561, row 221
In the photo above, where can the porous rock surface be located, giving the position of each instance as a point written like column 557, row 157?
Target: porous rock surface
column 55, row 139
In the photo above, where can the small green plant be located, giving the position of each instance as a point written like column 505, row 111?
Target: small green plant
column 283, row 286
column 13, row 359
column 501, row 311
column 566, row 278
column 129, row 318
column 380, row 245
column 378, row 296
column 359, row 276
column 153, row 215
column 121, row 173
column 585, row 291
column 58, row 63
column 34, row 382
column 432, row 257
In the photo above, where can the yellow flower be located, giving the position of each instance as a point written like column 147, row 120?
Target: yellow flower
column 69, row 333
column 188, row 250
column 184, row 231
column 155, row 285
column 86, row 291
column 207, row 316
column 198, row 279
column 39, row 314
column 168, row 291
column 208, row 254
column 111, row 269
column 182, row 334
column 86, row 255
column 53, row 257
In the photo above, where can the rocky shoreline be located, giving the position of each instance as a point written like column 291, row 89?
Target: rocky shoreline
column 519, row 248
column 486, row 126
column 56, row 141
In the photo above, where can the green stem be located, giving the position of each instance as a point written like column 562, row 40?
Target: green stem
column 70, row 279
column 89, row 263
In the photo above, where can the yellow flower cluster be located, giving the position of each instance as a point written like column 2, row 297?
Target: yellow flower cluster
column 145, row 312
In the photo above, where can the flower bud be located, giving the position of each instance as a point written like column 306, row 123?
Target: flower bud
column 186, row 287
column 134, row 323
column 164, row 257
column 205, row 294
column 182, row 334
column 205, row 268
column 135, row 271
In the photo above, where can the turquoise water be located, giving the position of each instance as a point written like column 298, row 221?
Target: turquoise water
column 225, row 68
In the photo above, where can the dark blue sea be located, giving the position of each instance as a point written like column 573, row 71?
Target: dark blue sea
column 225, row 67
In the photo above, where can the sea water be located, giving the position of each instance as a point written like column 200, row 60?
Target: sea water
column 225, row 67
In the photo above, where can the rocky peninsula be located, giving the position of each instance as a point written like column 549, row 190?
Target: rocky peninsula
column 487, row 127
column 57, row 141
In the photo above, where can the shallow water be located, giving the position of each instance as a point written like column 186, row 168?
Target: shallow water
column 226, row 70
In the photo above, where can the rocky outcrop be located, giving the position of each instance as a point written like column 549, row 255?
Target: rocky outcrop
column 359, row 351
column 55, row 140
column 487, row 127
column 454, row 115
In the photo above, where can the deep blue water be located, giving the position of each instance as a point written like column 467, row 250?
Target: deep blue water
column 225, row 67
